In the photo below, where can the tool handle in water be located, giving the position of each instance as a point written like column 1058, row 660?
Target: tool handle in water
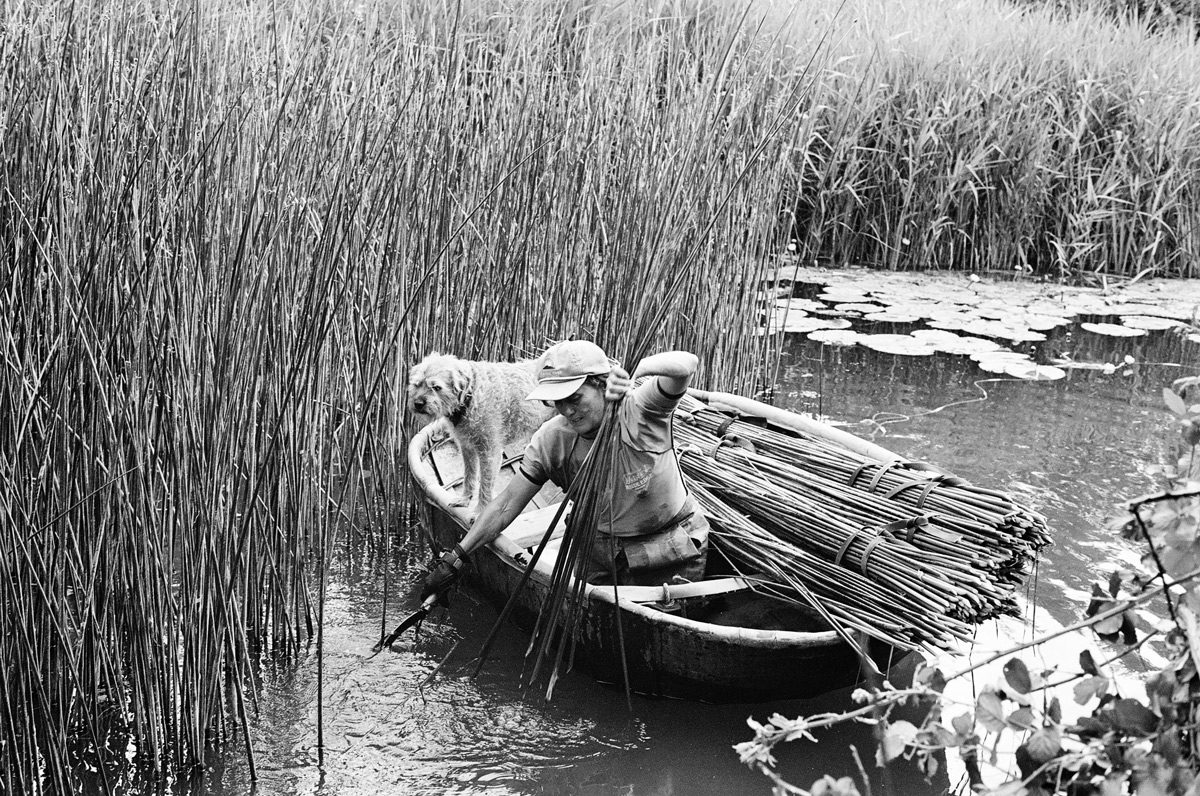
column 411, row 620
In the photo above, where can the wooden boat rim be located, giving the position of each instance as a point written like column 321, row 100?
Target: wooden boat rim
column 509, row 552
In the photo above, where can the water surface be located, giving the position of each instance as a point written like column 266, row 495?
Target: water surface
column 1070, row 449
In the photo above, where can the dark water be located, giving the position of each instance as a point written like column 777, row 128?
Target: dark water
column 1070, row 449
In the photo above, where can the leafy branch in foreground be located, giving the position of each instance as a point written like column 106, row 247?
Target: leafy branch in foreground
column 1120, row 743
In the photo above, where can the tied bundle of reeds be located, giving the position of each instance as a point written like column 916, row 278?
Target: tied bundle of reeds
column 914, row 559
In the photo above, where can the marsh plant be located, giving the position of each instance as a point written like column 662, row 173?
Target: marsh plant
column 228, row 228
column 1108, row 742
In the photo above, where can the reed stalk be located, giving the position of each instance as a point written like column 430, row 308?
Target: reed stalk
column 228, row 229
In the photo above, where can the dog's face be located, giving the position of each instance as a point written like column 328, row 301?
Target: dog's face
column 436, row 385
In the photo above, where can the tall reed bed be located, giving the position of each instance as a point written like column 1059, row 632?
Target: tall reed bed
column 980, row 135
column 229, row 228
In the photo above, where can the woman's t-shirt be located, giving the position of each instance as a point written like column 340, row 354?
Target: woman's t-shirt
column 646, row 485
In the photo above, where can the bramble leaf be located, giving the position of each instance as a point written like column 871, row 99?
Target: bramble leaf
column 1054, row 711
column 963, row 724
column 1017, row 675
column 898, row 735
column 1044, row 744
column 1088, row 664
column 1132, row 716
column 1090, row 687
column 990, row 711
column 1021, row 719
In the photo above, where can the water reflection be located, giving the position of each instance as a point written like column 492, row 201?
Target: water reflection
column 1069, row 449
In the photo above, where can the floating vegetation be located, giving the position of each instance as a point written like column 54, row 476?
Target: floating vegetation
column 1032, row 372
column 999, row 361
column 800, row 304
column 902, row 344
column 1150, row 323
column 951, row 343
column 859, row 307
column 1111, row 329
column 801, row 324
column 842, row 337
column 893, row 316
column 977, row 316
column 843, row 297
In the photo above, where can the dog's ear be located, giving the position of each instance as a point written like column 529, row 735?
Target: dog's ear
column 416, row 373
column 460, row 378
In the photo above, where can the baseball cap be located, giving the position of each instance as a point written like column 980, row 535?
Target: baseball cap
column 565, row 366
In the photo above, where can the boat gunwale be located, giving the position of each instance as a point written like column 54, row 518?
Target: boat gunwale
column 508, row 552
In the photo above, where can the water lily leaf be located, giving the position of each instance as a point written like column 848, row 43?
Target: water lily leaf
column 859, row 307
column 990, row 711
column 950, row 343
column 791, row 322
column 1149, row 322
column 1016, row 673
column 800, row 304
column 835, row 336
column 1194, row 337
column 1034, row 372
column 999, row 361
column 839, row 296
column 902, row 344
column 1112, row 329
column 1044, row 323
column 891, row 316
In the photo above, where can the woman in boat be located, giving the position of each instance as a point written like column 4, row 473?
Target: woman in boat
column 656, row 533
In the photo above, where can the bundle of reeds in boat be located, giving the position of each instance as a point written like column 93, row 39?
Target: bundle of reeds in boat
column 914, row 555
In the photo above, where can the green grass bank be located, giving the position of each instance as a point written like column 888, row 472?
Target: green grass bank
column 229, row 228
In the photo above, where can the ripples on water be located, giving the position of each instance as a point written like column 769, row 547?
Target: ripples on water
column 1070, row 449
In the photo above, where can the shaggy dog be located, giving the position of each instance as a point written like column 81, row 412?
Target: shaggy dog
column 484, row 406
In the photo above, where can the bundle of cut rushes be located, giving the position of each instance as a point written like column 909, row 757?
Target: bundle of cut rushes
column 895, row 550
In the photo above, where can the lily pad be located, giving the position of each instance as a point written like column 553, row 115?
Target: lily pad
column 1112, row 329
column 999, row 361
column 1150, row 323
column 951, row 343
column 802, row 304
column 835, row 336
column 1194, row 337
column 1033, row 372
column 801, row 324
column 1043, row 323
column 859, row 307
column 903, row 344
column 1004, row 330
column 891, row 316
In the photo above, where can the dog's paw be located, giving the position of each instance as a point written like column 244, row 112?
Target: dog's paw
column 459, row 500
